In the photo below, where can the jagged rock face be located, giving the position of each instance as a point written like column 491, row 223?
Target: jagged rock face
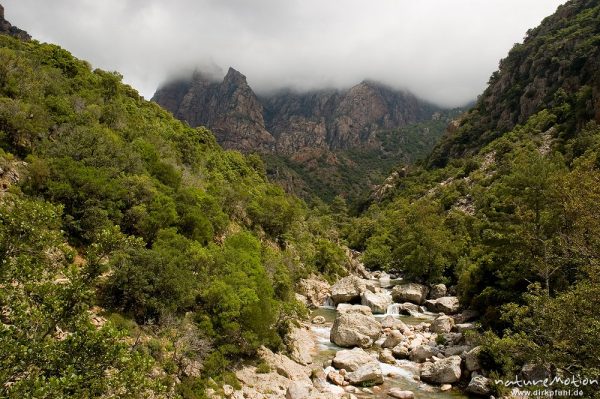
column 290, row 123
column 339, row 120
column 230, row 108
column 7, row 29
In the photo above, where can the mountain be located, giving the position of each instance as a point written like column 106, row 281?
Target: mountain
column 305, row 137
column 556, row 64
column 138, row 258
column 505, row 211
column 7, row 29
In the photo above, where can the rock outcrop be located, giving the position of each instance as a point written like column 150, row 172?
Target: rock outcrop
column 229, row 108
column 288, row 122
column 7, row 29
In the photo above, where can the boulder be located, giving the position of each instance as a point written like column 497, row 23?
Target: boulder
column 314, row 290
column 378, row 302
column 351, row 360
column 479, row 385
column 400, row 352
column 410, row 292
column 300, row 344
column 456, row 350
column 437, row 291
column 442, row 324
column 472, row 359
column 335, row 378
column 421, row 353
column 446, row 304
column 395, row 324
column 298, row 390
column 386, row 356
column 348, row 308
column 410, row 308
column 445, row 387
column 347, row 289
column 393, row 339
column 355, row 329
column 367, row 374
column 318, row 320
column 462, row 327
column 400, row 394
column 444, row 371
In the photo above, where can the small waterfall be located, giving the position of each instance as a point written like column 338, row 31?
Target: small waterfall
column 394, row 309
column 328, row 303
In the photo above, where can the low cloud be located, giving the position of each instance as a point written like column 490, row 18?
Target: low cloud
column 442, row 50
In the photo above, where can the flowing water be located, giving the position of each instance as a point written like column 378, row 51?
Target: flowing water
column 401, row 375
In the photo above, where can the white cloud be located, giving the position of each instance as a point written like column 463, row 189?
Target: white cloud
column 442, row 50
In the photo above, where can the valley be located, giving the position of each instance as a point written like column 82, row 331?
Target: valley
column 347, row 243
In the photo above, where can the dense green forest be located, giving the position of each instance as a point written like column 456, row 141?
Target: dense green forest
column 112, row 210
column 510, row 215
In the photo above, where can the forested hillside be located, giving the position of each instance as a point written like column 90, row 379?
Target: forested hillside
column 511, row 219
column 132, row 245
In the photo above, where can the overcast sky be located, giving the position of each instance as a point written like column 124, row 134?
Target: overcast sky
column 442, row 50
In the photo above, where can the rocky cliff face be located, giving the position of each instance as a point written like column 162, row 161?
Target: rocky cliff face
column 230, row 108
column 7, row 29
column 556, row 66
column 290, row 123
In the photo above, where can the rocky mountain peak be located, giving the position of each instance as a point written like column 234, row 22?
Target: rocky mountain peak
column 7, row 29
column 234, row 77
column 289, row 122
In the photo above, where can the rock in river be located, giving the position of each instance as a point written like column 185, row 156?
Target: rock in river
column 355, row 329
column 444, row 371
column 410, row 292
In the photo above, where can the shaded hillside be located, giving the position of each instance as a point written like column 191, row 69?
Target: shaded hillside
column 138, row 258
column 506, row 213
column 557, row 65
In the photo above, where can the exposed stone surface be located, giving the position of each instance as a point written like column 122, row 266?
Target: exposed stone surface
column 288, row 122
column 386, row 356
column 355, row 329
column 410, row 292
column 351, row 360
column 446, row 304
column 394, row 324
column 421, row 353
column 7, row 29
column 442, row 324
column 315, row 290
column 444, row 371
column 299, row 390
column 479, row 385
column 437, row 291
column 367, row 374
column 300, row 344
column 347, row 289
column 401, row 394
column 400, row 352
column 393, row 339
column 378, row 302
